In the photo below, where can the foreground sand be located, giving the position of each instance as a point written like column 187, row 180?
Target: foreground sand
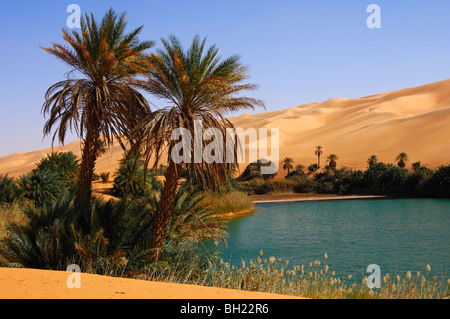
column 45, row 284
column 413, row 120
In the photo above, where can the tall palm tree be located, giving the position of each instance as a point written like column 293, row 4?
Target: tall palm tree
column 103, row 101
column 318, row 152
column 402, row 158
column 197, row 85
column 331, row 159
column 372, row 160
column 287, row 164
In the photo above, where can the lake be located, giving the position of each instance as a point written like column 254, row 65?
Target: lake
column 396, row 234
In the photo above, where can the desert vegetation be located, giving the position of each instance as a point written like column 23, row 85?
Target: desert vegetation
column 378, row 179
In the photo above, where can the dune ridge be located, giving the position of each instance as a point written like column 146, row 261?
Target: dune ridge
column 412, row 120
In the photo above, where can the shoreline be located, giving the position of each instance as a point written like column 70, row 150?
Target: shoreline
column 307, row 197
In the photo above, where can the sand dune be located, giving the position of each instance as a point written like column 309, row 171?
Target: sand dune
column 413, row 120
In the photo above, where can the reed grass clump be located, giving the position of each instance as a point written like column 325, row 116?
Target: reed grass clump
column 228, row 202
column 274, row 275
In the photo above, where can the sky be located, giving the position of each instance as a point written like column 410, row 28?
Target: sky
column 297, row 51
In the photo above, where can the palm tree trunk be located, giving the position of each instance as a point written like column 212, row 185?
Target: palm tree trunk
column 83, row 193
column 165, row 209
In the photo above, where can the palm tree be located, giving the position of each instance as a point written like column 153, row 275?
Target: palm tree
column 402, row 158
column 331, row 159
column 372, row 160
column 288, row 164
column 318, row 152
column 416, row 165
column 299, row 168
column 312, row 168
column 103, row 101
column 198, row 85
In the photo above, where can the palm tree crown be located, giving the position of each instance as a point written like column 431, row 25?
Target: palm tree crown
column 372, row 160
column 402, row 158
column 287, row 164
column 331, row 159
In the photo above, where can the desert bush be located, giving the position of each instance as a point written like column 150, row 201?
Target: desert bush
column 260, row 186
column 305, row 184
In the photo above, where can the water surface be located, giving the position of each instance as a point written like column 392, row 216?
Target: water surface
column 398, row 235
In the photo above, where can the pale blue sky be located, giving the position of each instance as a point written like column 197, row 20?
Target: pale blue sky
column 297, row 51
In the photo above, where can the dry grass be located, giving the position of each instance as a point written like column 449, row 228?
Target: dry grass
column 11, row 213
column 231, row 202
column 316, row 280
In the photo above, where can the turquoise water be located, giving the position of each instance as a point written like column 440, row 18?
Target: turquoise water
column 398, row 235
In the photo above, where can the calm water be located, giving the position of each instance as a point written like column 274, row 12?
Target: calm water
column 398, row 235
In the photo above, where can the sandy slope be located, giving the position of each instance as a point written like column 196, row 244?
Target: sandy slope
column 45, row 284
column 413, row 120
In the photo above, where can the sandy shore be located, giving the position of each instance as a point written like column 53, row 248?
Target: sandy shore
column 45, row 284
column 294, row 197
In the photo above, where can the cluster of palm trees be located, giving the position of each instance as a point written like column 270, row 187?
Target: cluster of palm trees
column 102, row 99
column 331, row 159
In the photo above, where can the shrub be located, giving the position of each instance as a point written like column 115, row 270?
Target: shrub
column 104, row 176
column 8, row 189
column 65, row 164
column 260, row 186
column 131, row 179
column 305, row 184
column 439, row 183
column 43, row 186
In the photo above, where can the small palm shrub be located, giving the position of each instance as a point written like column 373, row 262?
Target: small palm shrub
column 65, row 164
column 104, row 177
column 43, row 186
column 8, row 189
column 132, row 179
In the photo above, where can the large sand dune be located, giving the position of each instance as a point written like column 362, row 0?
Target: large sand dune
column 414, row 120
